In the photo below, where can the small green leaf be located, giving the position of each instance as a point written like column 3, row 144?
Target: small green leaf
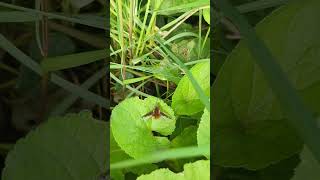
column 185, row 100
column 134, row 80
column 188, row 137
column 162, row 174
column 206, row 15
column 71, row 147
column 203, row 134
column 199, row 170
column 185, row 49
column 182, row 123
column 166, row 71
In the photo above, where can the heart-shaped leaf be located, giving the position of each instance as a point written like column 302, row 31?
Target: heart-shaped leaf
column 73, row 147
column 132, row 123
column 248, row 118
column 185, row 100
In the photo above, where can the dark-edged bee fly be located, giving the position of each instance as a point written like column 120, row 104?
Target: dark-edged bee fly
column 156, row 113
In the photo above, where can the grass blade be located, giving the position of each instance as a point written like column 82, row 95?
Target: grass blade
column 17, row 17
column 67, row 102
column 72, row 60
column 31, row 64
column 177, row 153
column 96, row 24
column 191, row 5
column 134, row 80
column 259, row 5
column 128, row 87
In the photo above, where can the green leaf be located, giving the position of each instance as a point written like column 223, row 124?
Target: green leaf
column 162, row 174
column 69, row 147
column 134, row 80
column 188, row 137
column 199, row 170
column 117, row 155
column 185, row 49
column 185, row 100
column 206, row 15
column 203, row 134
column 309, row 168
column 247, row 114
column 283, row 170
column 182, row 123
column 169, row 7
column 166, row 71
column 130, row 119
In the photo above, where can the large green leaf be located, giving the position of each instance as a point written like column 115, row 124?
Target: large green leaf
column 185, row 100
column 248, row 118
column 199, row 170
column 283, row 170
column 132, row 126
column 73, row 147
column 117, row 155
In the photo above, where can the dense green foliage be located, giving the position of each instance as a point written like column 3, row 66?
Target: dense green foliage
column 160, row 55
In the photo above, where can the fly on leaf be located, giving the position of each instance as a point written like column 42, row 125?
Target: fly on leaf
column 156, row 113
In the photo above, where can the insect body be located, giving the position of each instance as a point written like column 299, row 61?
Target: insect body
column 156, row 113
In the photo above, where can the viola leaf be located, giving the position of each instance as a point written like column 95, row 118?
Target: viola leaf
column 185, row 100
column 203, row 134
column 248, row 117
column 132, row 118
column 206, row 15
column 199, row 170
column 70, row 147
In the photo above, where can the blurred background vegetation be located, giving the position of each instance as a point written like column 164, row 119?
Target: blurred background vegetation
column 72, row 40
